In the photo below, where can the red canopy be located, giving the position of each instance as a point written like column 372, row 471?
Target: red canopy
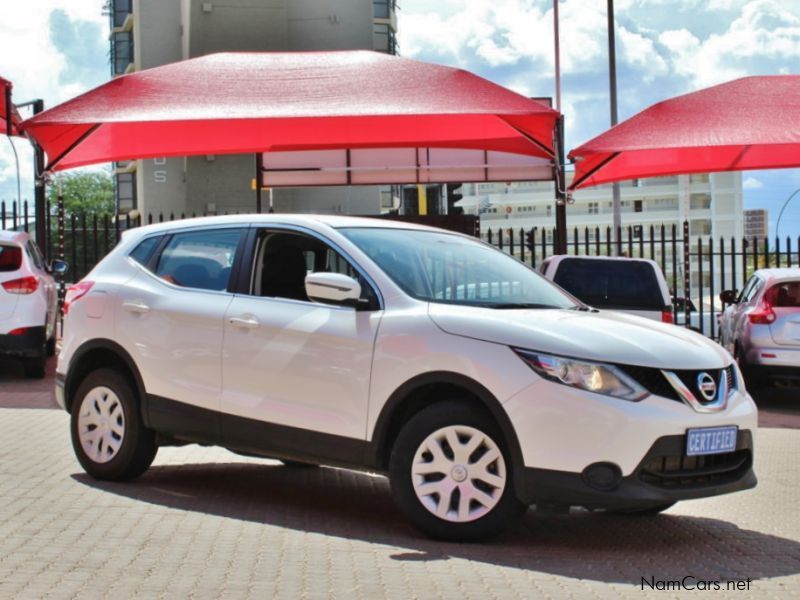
column 5, row 107
column 253, row 102
column 750, row 123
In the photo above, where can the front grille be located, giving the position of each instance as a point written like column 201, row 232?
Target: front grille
column 654, row 381
column 677, row 471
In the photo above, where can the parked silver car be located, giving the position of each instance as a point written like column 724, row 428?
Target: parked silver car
column 761, row 327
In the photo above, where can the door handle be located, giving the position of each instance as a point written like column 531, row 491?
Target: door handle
column 136, row 306
column 243, row 323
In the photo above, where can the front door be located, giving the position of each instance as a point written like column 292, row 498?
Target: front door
column 290, row 362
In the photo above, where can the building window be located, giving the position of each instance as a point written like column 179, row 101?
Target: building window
column 594, row 208
column 637, row 206
column 700, row 201
column 120, row 9
column 121, row 51
column 698, row 178
column 382, row 9
column 384, row 38
column 549, row 210
column 700, row 227
column 125, row 192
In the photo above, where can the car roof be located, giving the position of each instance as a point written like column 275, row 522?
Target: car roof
column 779, row 273
column 19, row 237
column 335, row 221
column 560, row 257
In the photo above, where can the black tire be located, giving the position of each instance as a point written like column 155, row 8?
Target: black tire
column 137, row 447
column 643, row 512
column 35, row 366
column 413, row 434
column 51, row 346
column 751, row 378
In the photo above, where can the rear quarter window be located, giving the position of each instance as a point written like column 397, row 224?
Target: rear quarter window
column 10, row 258
column 611, row 283
column 787, row 295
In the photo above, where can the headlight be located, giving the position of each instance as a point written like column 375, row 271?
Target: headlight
column 593, row 377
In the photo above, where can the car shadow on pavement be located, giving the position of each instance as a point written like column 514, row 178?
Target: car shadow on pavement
column 581, row 545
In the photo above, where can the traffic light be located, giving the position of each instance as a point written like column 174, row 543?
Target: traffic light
column 529, row 242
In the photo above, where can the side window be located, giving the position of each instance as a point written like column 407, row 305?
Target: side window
column 199, row 259
column 284, row 259
column 144, row 250
column 746, row 290
column 757, row 285
column 33, row 253
column 10, row 258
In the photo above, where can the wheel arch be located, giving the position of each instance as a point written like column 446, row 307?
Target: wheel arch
column 421, row 391
column 97, row 354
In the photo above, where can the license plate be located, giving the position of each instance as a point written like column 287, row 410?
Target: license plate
column 710, row 440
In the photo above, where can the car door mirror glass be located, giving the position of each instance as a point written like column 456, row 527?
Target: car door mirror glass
column 728, row 297
column 333, row 288
column 59, row 266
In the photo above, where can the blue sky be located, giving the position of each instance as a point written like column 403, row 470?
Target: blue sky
column 55, row 49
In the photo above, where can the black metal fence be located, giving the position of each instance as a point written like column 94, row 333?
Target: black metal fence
column 695, row 267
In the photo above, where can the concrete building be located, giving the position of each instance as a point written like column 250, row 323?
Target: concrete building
column 712, row 203
column 149, row 33
column 756, row 223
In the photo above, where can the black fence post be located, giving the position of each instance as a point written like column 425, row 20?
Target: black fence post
column 699, row 284
column 711, row 287
column 687, row 280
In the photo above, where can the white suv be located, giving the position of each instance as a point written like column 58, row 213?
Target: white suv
column 28, row 302
column 475, row 384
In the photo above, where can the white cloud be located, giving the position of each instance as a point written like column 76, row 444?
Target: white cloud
column 34, row 65
column 751, row 183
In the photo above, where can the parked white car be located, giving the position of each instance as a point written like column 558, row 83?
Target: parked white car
column 632, row 285
column 28, row 302
column 475, row 384
column 761, row 326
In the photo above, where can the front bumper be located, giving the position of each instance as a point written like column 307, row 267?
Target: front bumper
column 663, row 476
column 28, row 344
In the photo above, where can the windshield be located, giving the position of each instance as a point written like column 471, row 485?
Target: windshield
column 447, row 268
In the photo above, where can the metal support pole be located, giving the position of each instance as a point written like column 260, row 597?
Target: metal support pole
column 39, row 190
column 561, row 191
column 612, row 85
column 259, row 171
column 9, row 111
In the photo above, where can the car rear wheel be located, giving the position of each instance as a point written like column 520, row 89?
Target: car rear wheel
column 451, row 475
column 108, row 436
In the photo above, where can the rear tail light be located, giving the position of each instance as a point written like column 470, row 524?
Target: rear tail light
column 666, row 316
column 18, row 331
column 763, row 313
column 24, row 285
column 76, row 292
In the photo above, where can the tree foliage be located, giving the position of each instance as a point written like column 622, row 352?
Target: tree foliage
column 90, row 193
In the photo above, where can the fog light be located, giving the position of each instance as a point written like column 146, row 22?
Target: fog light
column 602, row 476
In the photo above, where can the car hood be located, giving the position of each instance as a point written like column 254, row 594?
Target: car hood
column 604, row 336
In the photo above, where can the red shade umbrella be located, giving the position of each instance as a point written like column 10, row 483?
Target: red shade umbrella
column 254, row 102
column 7, row 111
column 750, row 123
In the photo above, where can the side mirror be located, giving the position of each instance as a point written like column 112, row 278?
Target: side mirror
column 728, row 297
column 59, row 266
column 333, row 288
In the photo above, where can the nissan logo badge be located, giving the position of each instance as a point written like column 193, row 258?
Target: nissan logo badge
column 707, row 386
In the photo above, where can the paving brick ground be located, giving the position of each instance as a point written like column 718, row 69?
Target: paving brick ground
column 205, row 523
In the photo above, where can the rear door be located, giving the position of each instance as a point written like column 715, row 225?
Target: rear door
column 170, row 318
column 785, row 330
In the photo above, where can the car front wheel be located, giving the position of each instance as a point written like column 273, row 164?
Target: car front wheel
column 108, row 436
column 451, row 474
